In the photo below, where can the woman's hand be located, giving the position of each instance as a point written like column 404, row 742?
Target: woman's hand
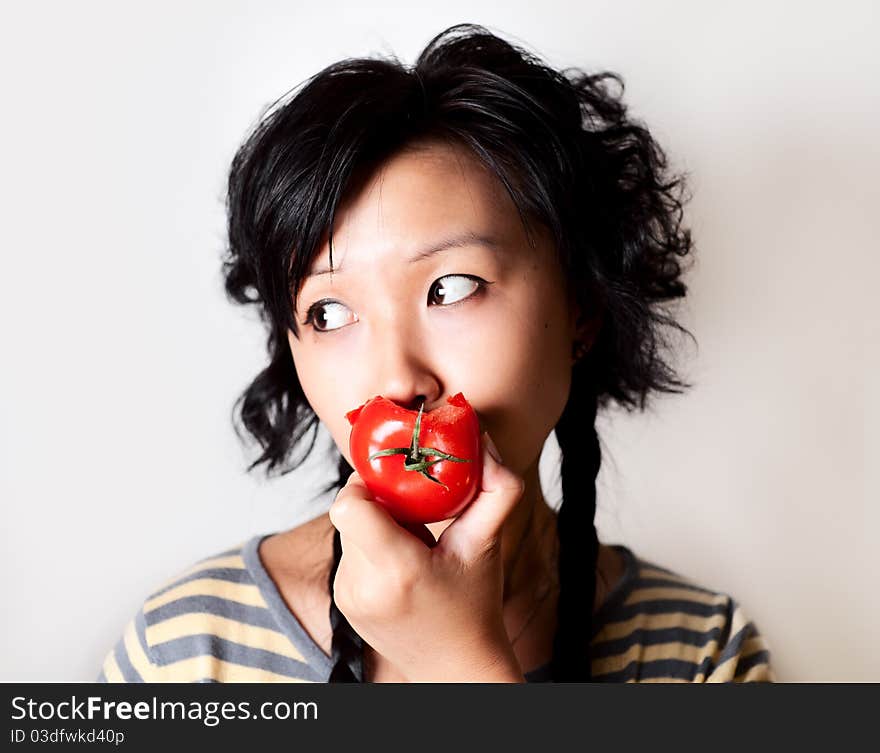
column 434, row 612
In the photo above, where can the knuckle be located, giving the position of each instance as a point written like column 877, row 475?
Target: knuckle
column 402, row 579
column 386, row 596
column 338, row 510
column 371, row 598
column 342, row 595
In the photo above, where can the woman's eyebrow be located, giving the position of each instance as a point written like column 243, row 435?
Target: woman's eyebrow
column 468, row 238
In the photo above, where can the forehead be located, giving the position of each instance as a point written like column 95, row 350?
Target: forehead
column 422, row 195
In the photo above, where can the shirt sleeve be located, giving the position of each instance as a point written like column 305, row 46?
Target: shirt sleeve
column 743, row 655
column 130, row 660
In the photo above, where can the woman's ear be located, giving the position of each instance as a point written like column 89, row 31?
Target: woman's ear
column 587, row 324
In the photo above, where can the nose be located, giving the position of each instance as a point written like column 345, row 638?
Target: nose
column 404, row 370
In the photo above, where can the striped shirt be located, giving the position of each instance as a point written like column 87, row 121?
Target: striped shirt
column 224, row 620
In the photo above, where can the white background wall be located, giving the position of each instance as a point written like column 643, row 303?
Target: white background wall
column 121, row 358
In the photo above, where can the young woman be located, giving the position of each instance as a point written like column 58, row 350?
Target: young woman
column 477, row 223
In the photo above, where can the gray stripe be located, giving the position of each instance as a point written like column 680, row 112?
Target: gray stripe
column 129, row 673
column 675, row 669
column 202, row 604
column 667, row 606
column 285, row 620
column 707, row 666
column 140, row 629
column 647, row 637
column 752, row 660
column 734, row 646
column 206, row 644
column 226, row 574
column 101, row 677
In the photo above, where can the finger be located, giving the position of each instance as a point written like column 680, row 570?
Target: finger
column 479, row 526
column 364, row 523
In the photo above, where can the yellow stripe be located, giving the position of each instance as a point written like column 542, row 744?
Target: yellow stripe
column 678, row 594
column 638, row 652
column 201, row 667
column 243, row 593
column 739, row 621
column 136, row 655
column 111, row 669
column 615, row 630
column 223, row 627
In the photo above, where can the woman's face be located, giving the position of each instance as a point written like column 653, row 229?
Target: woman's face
column 489, row 318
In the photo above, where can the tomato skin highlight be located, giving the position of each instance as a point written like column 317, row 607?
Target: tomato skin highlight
column 409, row 495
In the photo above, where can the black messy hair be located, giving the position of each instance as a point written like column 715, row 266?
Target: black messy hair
column 563, row 146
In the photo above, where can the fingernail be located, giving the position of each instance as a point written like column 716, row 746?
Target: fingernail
column 490, row 445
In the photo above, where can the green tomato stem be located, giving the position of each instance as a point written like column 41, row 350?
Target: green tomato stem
column 416, row 429
column 413, row 455
column 442, row 455
column 391, row 451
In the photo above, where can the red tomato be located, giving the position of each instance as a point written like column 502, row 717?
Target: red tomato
column 422, row 467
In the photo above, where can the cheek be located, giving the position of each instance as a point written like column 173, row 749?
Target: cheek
column 519, row 374
column 307, row 371
column 329, row 392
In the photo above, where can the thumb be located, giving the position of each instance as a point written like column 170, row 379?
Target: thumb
column 479, row 526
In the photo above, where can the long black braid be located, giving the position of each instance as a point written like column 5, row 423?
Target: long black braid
column 347, row 653
column 578, row 540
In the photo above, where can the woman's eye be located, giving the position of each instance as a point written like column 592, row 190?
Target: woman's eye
column 326, row 316
column 457, row 287
column 329, row 315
